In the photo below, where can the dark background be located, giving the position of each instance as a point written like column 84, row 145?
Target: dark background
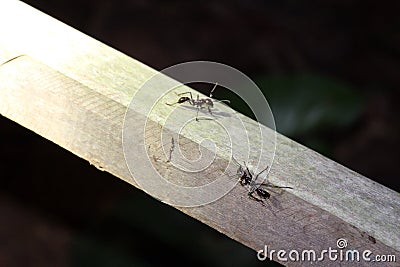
column 330, row 70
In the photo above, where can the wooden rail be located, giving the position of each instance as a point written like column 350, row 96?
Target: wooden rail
column 74, row 91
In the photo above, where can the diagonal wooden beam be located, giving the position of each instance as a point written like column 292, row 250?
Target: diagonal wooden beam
column 75, row 91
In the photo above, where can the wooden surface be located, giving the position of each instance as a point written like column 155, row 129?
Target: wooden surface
column 74, row 91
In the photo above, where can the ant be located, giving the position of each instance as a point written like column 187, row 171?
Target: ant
column 246, row 178
column 200, row 103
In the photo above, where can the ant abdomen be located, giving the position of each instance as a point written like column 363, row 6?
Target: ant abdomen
column 183, row 99
column 262, row 193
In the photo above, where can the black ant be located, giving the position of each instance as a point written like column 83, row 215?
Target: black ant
column 200, row 103
column 246, row 178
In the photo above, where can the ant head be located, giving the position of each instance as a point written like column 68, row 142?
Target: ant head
column 240, row 171
column 183, row 99
column 242, row 175
column 209, row 102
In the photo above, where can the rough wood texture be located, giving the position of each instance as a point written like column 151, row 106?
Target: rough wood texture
column 74, row 91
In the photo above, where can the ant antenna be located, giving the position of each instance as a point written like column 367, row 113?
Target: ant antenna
column 212, row 90
column 244, row 163
column 237, row 162
column 261, row 172
column 216, row 100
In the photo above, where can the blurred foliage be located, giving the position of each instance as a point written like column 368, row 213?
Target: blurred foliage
column 308, row 108
column 309, row 104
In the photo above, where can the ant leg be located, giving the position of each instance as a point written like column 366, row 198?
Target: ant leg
column 268, row 184
column 197, row 114
column 191, row 96
column 275, row 186
column 222, row 101
column 209, row 110
column 261, row 172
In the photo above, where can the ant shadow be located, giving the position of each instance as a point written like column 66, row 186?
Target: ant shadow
column 274, row 200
